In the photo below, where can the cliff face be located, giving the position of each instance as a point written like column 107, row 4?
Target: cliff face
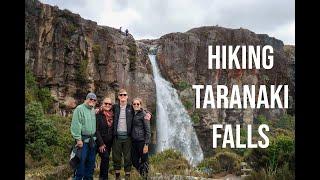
column 72, row 56
column 183, row 60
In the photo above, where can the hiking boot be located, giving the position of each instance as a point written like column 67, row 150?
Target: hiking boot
column 127, row 177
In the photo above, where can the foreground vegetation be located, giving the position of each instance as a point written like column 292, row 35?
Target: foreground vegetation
column 47, row 136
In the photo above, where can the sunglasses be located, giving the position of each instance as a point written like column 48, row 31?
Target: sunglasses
column 136, row 104
column 122, row 94
column 107, row 104
column 93, row 100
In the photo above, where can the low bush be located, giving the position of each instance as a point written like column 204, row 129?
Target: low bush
column 280, row 152
column 223, row 161
column 169, row 162
column 47, row 137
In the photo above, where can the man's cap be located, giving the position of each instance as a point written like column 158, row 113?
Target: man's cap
column 91, row 96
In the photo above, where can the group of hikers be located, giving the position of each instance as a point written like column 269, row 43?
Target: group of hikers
column 123, row 129
column 127, row 31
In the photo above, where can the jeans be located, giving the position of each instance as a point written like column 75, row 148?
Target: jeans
column 87, row 163
column 104, row 165
column 139, row 159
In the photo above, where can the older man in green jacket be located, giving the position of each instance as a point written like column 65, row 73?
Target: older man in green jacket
column 83, row 130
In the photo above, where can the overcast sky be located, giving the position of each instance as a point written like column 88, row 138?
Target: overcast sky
column 154, row 18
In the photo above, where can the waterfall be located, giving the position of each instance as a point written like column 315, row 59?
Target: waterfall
column 174, row 126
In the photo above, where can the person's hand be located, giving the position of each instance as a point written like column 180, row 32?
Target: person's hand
column 102, row 148
column 79, row 143
column 145, row 149
column 97, row 110
column 147, row 116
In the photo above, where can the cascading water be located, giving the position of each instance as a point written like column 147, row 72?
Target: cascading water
column 174, row 126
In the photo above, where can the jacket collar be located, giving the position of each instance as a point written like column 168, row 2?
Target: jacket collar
column 87, row 106
column 140, row 110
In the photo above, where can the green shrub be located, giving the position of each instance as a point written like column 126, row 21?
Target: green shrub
column 195, row 117
column 206, row 34
column 182, row 85
column 96, row 51
column 228, row 161
column 257, row 158
column 81, row 73
column 65, row 41
column 39, row 132
column 285, row 173
column 222, row 161
column 37, row 149
column 241, row 151
column 165, row 155
column 261, row 119
column 286, row 122
column 45, row 98
column 37, row 127
column 243, row 137
column 285, row 132
column 63, row 125
column 30, row 80
column 187, row 104
column 169, row 162
column 34, row 112
column 30, row 86
column 71, row 28
column 47, row 137
column 35, row 93
column 53, row 139
column 81, row 80
column 243, row 132
column 132, row 55
column 280, row 151
column 29, row 96
column 209, row 166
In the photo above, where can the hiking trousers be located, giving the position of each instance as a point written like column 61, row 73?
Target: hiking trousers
column 122, row 148
column 87, row 163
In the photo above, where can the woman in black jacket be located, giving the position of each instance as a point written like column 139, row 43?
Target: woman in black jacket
column 104, row 132
column 141, row 136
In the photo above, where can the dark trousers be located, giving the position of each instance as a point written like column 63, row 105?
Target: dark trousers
column 87, row 162
column 104, row 164
column 122, row 148
column 140, row 160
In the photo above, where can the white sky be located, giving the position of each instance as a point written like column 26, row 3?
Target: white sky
column 154, row 18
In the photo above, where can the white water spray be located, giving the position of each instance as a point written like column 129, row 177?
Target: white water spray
column 174, row 126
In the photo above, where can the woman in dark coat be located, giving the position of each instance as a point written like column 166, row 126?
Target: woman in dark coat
column 141, row 136
column 104, row 132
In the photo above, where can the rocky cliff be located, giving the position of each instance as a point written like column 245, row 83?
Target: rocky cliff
column 71, row 56
column 183, row 60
